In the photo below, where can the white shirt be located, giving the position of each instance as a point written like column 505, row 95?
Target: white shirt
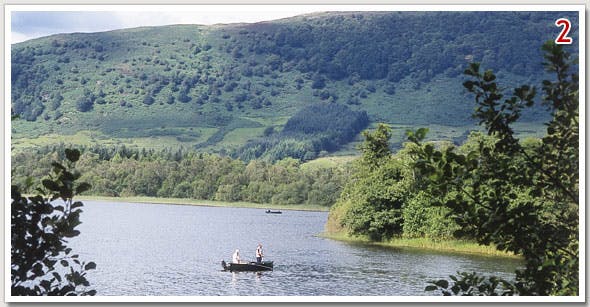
column 236, row 257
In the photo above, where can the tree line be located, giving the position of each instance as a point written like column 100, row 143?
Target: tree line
column 188, row 174
column 381, row 45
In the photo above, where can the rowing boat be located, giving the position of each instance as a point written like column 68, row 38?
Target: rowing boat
column 247, row 266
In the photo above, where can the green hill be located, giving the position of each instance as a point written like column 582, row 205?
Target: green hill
column 220, row 88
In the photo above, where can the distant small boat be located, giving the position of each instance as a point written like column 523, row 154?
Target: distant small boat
column 247, row 266
column 274, row 212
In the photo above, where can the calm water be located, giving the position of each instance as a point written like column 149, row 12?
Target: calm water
column 150, row 249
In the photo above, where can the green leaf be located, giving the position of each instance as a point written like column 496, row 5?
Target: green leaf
column 443, row 283
column 90, row 266
column 57, row 167
column 83, row 187
column 71, row 234
column 50, row 184
column 489, row 76
column 429, row 149
column 72, row 154
column 76, row 205
column 91, row 293
column 430, row 288
column 46, row 284
column 468, row 85
column 38, row 269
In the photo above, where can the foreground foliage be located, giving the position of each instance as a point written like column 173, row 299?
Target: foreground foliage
column 41, row 262
column 521, row 197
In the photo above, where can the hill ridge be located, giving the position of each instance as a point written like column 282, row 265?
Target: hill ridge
column 181, row 84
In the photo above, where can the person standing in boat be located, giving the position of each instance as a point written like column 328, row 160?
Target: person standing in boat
column 236, row 256
column 259, row 253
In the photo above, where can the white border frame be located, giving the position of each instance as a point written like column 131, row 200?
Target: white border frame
column 580, row 8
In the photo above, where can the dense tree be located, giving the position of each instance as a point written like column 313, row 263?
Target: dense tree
column 376, row 145
column 85, row 102
column 318, row 82
column 180, row 174
column 371, row 204
column 148, row 99
column 315, row 128
column 183, row 96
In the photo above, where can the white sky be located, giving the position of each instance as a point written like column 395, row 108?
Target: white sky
column 35, row 21
column 32, row 21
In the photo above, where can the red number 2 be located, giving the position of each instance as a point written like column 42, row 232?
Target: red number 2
column 563, row 39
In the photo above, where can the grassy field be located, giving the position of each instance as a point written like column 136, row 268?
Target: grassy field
column 328, row 162
column 443, row 246
column 209, row 203
column 183, row 139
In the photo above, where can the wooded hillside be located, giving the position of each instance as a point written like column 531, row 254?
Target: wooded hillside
column 215, row 88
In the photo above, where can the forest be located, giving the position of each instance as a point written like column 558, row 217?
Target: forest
column 188, row 174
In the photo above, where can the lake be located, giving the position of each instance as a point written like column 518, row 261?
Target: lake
column 170, row 250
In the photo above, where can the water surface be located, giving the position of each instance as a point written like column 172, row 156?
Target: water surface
column 152, row 249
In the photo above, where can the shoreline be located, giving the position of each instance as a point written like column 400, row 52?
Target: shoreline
column 202, row 203
column 446, row 246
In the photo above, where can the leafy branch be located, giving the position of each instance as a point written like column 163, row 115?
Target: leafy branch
column 41, row 262
column 523, row 198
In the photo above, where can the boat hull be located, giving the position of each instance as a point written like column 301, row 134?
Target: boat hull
column 248, row 266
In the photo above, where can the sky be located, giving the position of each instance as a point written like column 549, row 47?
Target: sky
column 26, row 25
column 32, row 21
